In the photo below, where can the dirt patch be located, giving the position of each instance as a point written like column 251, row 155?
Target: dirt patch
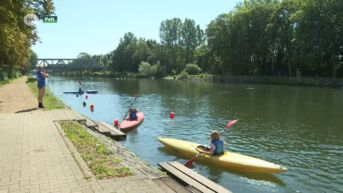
column 16, row 96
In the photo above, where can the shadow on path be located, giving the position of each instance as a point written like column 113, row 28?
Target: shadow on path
column 26, row 110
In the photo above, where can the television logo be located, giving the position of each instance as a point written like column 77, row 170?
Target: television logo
column 50, row 19
column 29, row 19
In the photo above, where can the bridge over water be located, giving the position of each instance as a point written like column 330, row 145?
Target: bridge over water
column 53, row 61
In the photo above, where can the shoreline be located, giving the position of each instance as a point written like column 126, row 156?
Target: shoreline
column 267, row 80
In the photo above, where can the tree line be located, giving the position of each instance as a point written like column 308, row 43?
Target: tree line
column 179, row 40
column 16, row 38
column 259, row 37
column 273, row 38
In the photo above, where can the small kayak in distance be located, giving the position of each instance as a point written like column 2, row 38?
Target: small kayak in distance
column 229, row 160
column 127, row 125
column 82, row 92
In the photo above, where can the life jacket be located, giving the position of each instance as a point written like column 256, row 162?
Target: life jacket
column 133, row 115
column 40, row 78
column 219, row 144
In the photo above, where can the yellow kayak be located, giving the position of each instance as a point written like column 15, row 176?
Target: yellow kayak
column 228, row 160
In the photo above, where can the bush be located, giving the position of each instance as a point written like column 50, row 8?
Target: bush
column 182, row 76
column 192, row 69
column 160, row 71
column 31, row 79
column 3, row 76
column 145, row 69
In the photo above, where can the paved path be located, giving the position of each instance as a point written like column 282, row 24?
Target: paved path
column 36, row 157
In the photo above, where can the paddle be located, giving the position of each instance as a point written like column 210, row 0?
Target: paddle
column 130, row 106
column 80, row 87
column 228, row 126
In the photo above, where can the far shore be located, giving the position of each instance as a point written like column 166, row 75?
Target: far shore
column 275, row 80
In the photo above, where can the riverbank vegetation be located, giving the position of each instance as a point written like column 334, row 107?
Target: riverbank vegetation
column 16, row 37
column 279, row 38
column 97, row 156
column 50, row 101
column 7, row 80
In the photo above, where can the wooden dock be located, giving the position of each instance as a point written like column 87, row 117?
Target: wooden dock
column 101, row 127
column 192, row 179
column 89, row 123
column 111, row 131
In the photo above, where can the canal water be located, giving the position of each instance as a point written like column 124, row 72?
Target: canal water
column 300, row 128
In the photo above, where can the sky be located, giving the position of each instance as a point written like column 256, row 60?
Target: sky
column 96, row 26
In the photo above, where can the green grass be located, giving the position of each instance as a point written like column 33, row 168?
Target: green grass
column 100, row 160
column 50, row 101
column 2, row 82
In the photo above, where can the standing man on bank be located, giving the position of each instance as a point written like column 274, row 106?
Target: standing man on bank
column 41, row 76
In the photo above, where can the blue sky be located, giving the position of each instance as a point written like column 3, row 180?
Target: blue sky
column 96, row 26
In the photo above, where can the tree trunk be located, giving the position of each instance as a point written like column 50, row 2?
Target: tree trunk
column 289, row 69
column 334, row 71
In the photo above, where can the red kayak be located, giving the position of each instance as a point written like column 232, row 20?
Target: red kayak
column 127, row 125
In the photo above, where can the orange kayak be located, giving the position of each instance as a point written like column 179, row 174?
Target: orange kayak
column 127, row 125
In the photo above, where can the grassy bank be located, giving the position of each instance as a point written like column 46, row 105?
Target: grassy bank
column 6, row 77
column 50, row 101
column 301, row 81
column 2, row 82
column 100, row 160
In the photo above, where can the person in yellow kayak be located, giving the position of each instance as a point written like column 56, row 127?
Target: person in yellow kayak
column 217, row 144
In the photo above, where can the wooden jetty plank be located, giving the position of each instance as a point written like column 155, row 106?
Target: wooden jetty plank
column 115, row 130
column 85, row 120
column 104, row 130
column 201, row 179
column 92, row 124
column 192, row 189
column 185, row 178
column 116, row 133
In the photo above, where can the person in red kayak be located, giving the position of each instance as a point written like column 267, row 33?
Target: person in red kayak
column 217, row 144
column 132, row 114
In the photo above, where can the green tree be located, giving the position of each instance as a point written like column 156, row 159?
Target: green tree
column 122, row 56
column 219, row 44
column 277, row 37
column 16, row 37
column 145, row 69
column 319, row 35
column 192, row 69
column 201, row 57
column 190, row 38
column 33, row 59
column 170, row 32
